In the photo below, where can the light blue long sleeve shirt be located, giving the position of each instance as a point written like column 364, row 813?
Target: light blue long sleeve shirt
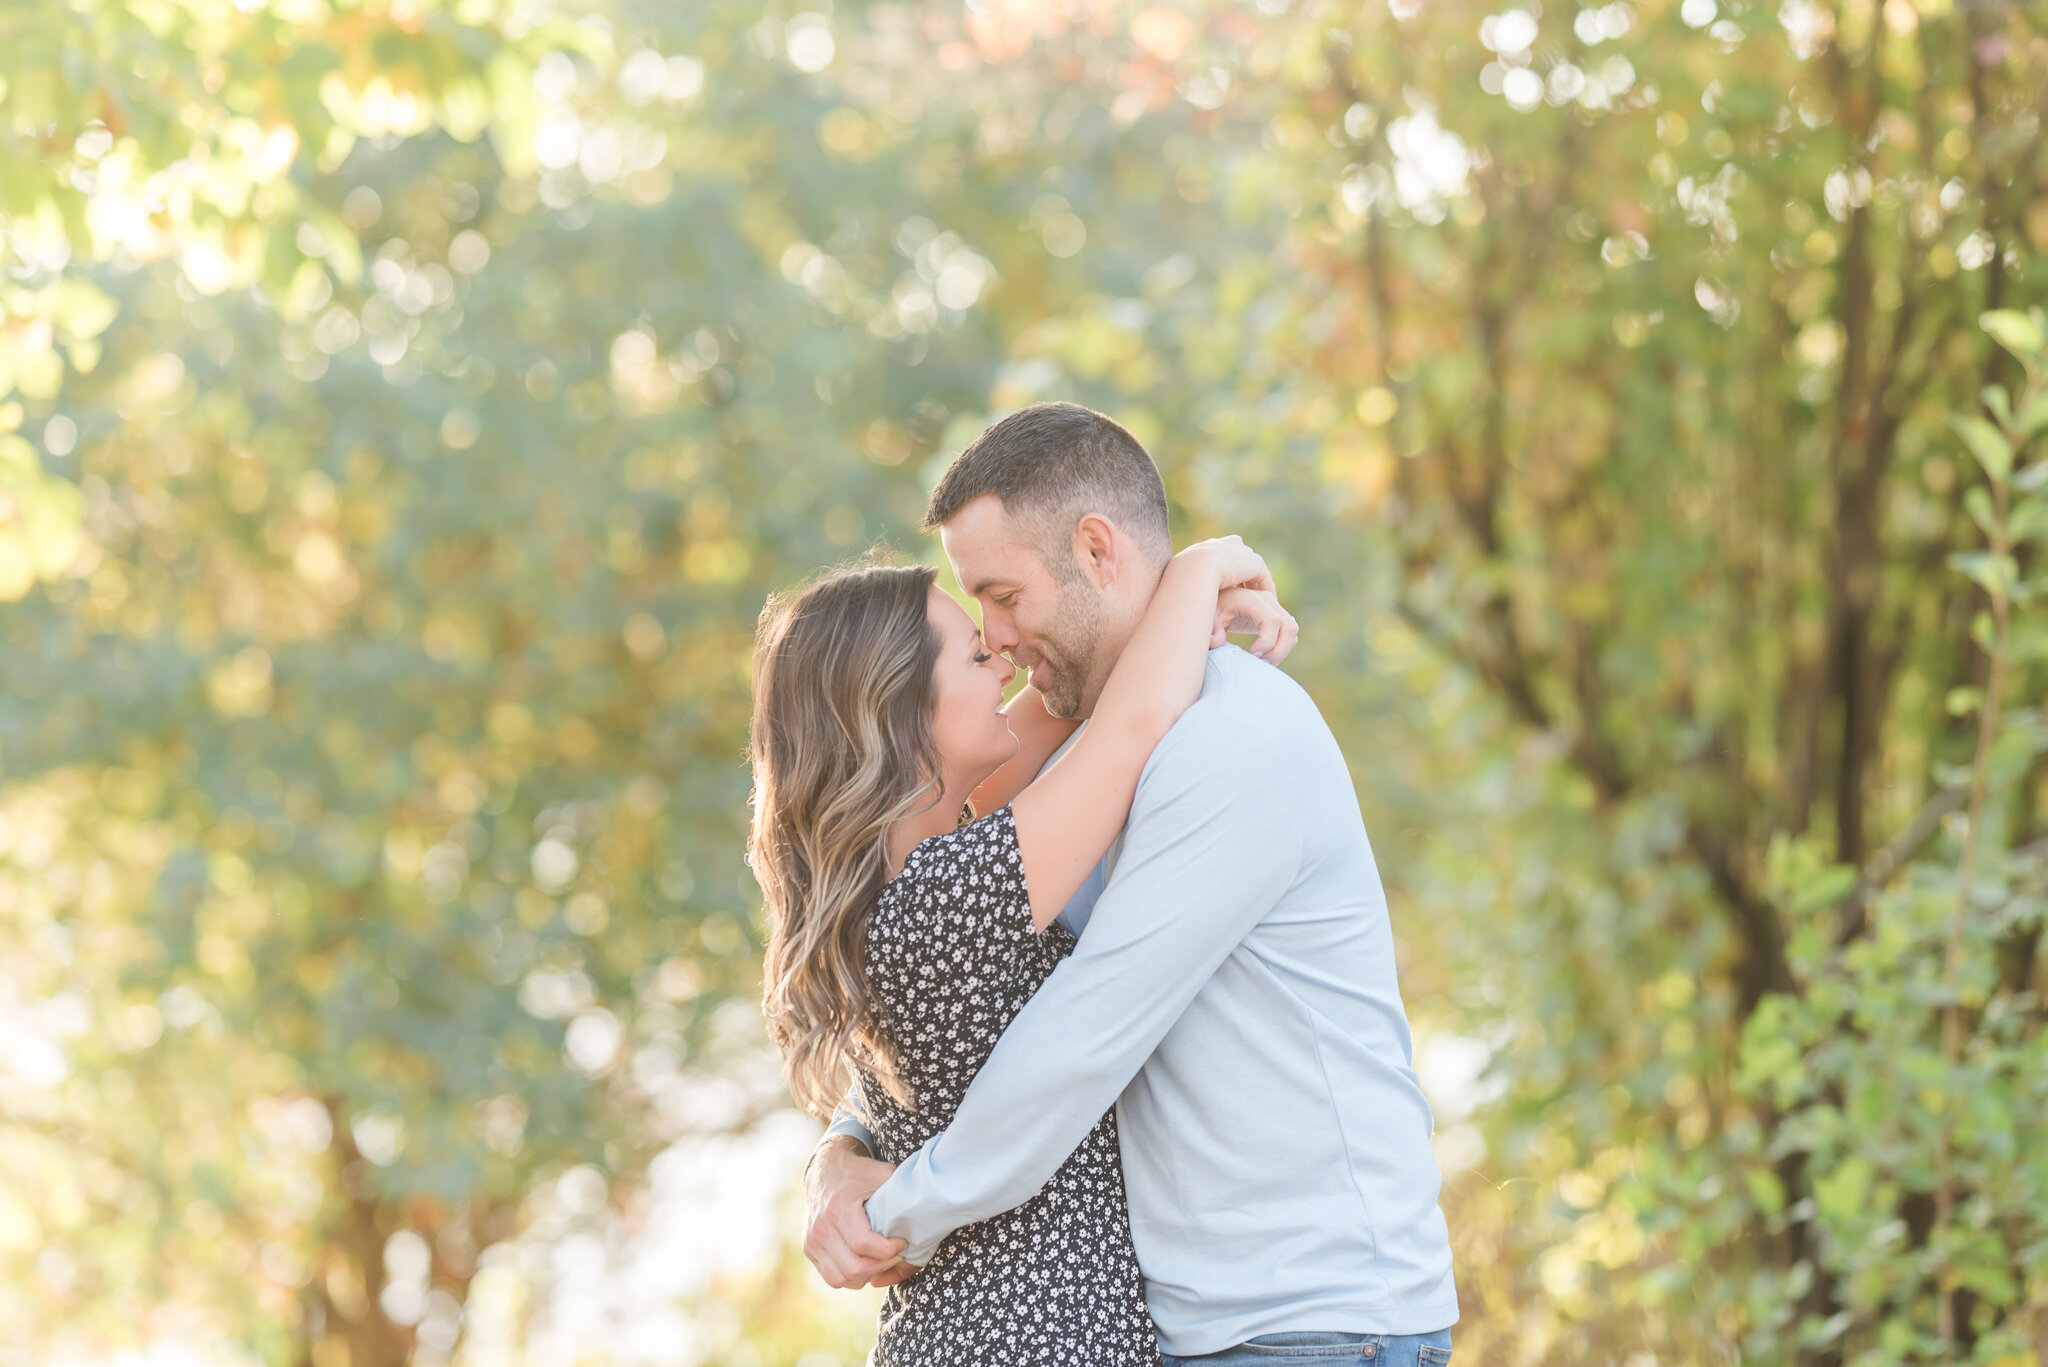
column 1233, row 995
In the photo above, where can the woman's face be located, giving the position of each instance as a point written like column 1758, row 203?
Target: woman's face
column 968, row 724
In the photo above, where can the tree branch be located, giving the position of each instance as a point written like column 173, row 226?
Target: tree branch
column 1851, row 913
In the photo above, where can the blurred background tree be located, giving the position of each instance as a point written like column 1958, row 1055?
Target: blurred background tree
column 407, row 406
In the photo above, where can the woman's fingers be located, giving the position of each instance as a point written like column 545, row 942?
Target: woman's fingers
column 1269, row 636
column 1230, row 616
column 1290, row 632
column 1259, row 612
column 1254, row 573
column 893, row 1273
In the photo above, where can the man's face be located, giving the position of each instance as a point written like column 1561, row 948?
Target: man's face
column 1047, row 622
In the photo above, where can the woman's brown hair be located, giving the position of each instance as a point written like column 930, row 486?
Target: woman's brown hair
column 841, row 748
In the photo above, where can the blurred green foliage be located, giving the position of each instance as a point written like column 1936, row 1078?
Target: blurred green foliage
column 407, row 406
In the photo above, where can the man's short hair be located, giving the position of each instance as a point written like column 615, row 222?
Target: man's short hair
column 1052, row 464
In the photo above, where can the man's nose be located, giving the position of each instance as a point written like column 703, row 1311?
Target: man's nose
column 998, row 632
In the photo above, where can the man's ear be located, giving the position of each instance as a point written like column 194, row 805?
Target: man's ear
column 1095, row 548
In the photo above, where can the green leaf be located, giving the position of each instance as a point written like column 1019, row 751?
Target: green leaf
column 2032, row 419
column 1977, row 502
column 1765, row 1189
column 2000, row 403
column 1996, row 574
column 2029, row 521
column 2015, row 331
column 1841, row 1194
column 2030, row 640
column 1824, row 889
column 1987, row 444
column 1992, row 1283
column 1771, row 1055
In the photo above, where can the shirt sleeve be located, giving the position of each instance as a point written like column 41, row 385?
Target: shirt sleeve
column 847, row 1120
column 1212, row 844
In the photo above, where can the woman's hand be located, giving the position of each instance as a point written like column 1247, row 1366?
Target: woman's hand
column 1256, row 610
column 1237, row 565
column 1246, row 600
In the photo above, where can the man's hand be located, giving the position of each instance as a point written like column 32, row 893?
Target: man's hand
column 837, row 1237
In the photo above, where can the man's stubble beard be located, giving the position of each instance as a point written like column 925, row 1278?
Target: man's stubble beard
column 1068, row 650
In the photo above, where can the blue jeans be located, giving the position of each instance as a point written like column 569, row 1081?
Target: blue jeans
column 1330, row 1350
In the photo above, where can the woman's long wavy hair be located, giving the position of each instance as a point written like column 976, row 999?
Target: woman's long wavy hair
column 842, row 747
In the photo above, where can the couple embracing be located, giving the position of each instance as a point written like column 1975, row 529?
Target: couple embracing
column 1110, row 970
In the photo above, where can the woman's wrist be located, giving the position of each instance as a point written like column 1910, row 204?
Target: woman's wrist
column 1203, row 560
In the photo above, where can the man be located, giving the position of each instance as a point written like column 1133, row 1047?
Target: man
column 1233, row 993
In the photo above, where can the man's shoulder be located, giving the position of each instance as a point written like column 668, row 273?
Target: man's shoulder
column 1252, row 746
column 1239, row 689
column 1250, row 717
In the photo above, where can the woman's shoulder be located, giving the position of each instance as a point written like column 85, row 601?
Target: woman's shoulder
column 986, row 841
column 973, row 866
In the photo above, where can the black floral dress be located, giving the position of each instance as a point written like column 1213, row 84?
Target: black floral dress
column 953, row 957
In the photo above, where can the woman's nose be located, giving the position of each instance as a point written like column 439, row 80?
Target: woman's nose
column 1006, row 669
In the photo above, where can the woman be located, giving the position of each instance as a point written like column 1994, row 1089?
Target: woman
column 902, row 942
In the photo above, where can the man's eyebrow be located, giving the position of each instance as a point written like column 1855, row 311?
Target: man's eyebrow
column 984, row 585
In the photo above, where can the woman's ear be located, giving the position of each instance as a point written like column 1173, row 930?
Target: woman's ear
column 1095, row 548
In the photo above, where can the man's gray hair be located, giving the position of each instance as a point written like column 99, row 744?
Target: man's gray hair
column 1052, row 464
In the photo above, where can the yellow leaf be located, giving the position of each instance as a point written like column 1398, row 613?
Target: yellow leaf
column 17, row 571
column 77, row 310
